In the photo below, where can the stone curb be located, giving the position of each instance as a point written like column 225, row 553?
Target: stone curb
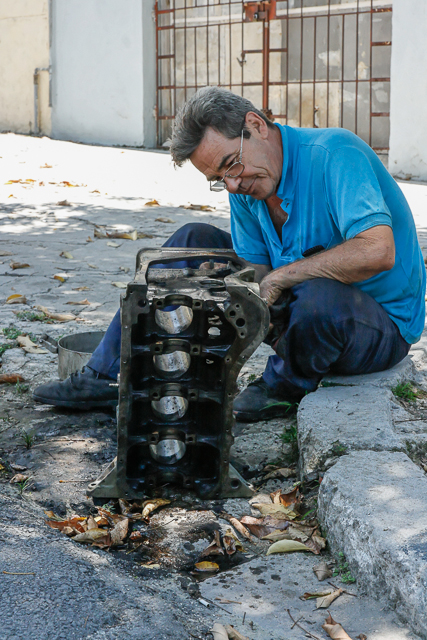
column 373, row 506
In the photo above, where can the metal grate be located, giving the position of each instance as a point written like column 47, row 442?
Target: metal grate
column 308, row 63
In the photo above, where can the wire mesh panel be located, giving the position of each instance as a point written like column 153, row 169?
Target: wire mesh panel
column 307, row 63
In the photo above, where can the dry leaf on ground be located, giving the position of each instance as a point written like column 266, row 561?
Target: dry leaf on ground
column 280, row 473
column 151, row 505
column 16, row 298
column 233, row 634
column 119, row 533
column 18, row 265
column 124, row 269
column 99, row 233
column 334, row 629
column 142, row 234
column 46, row 166
column 361, row 636
column 110, row 243
column 10, row 378
column 218, row 631
column 123, row 235
column 199, row 207
column 214, row 548
column 5, row 253
column 17, row 467
column 288, row 546
column 66, row 254
column 64, row 203
column 323, row 570
column 288, row 499
column 261, row 527
column 276, row 510
column 231, row 543
column 165, row 220
column 92, row 266
column 75, row 522
column 323, row 602
column 206, row 567
column 119, row 285
column 81, row 288
column 152, row 203
column 29, row 346
column 81, row 302
column 91, row 535
column 19, row 477
column 308, row 595
column 59, row 317
column 240, row 528
column 61, row 278
column 89, row 239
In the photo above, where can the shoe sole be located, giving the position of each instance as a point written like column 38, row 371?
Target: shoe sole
column 275, row 411
column 83, row 406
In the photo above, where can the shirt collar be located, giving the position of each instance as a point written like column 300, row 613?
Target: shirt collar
column 286, row 187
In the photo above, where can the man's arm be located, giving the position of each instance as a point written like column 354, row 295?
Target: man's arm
column 261, row 270
column 360, row 258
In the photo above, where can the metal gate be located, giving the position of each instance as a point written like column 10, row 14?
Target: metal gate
column 306, row 63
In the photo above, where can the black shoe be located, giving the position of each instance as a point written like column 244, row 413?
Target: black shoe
column 259, row 402
column 84, row 390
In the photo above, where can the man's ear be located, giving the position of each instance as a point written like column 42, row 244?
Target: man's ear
column 256, row 125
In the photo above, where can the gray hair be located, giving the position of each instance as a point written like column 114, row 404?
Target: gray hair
column 209, row 107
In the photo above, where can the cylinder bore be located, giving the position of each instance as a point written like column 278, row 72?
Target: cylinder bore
column 172, row 365
column 168, row 451
column 170, row 408
column 174, row 320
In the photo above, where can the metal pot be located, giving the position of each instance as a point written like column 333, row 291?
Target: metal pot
column 73, row 351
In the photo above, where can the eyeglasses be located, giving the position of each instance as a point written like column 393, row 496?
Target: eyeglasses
column 236, row 170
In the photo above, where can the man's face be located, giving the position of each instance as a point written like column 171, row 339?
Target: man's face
column 262, row 157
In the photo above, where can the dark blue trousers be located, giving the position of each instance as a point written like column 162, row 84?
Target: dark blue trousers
column 332, row 327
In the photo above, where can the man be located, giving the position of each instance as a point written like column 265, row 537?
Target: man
column 317, row 214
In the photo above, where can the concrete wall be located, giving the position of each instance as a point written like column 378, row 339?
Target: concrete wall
column 103, row 71
column 408, row 108
column 24, row 45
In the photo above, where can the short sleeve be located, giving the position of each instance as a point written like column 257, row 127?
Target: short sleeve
column 353, row 193
column 246, row 232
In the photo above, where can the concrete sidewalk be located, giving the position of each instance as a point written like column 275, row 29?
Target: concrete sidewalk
column 112, row 192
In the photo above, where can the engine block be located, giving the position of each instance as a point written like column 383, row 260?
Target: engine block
column 186, row 333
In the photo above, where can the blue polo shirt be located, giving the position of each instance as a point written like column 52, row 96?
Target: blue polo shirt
column 333, row 187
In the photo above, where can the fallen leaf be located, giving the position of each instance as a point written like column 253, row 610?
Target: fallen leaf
column 261, row 527
column 59, row 317
column 59, row 277
column 18, row 265
column 215, row 548
column 95, row 191
column 90, row 523
column 81, row 302
column 280, row 473
column 64, row 203
column 5, row 253
column 89, row 239
column 148, row 565
column 17, row 467
column 136, row 536
column 218, row 631
column 276, row 510
column 99, row 233
column 90, row 535
column 152, row 203
column 288, row 499
column 124, row 269
column 66, row 254
column 81, row 289
column 323, row 602
column 231, row 543
column 237, row 525
column 206, row 567
column 29, row 346
column 225, row 601
column 142, row 234
column 123, row 235
column 233, row 634
column 119, row 533
column 19, row 477
column 151, row 505
column 323, row 570
column 313, row 596
column 119, row 285
column 46, row 166
column 75, row 522
column 287, row 546
column 92, row 266
column 113, row 244
column 361, row 636
column 334, row 629
column 199, row 207
column 69, row 531
column 165, row 220
column 16, row 298
column 11, row 378
column 68, row 184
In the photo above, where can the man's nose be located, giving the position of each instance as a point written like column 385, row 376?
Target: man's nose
column 233, row 184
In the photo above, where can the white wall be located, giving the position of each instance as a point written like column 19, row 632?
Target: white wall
column 408, row 107
column 103, row 71
column 24, row 46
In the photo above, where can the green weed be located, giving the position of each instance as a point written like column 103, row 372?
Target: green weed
column 290, row 437
column 339, row 449
column 31, row 316
column 5, row 346
column 342, row 570
column 24, row 485
column 252, row 377
column 406, row 391
column 20, row 388
column 28, row 438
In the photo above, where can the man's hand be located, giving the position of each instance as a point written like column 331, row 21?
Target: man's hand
column 360, row 258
